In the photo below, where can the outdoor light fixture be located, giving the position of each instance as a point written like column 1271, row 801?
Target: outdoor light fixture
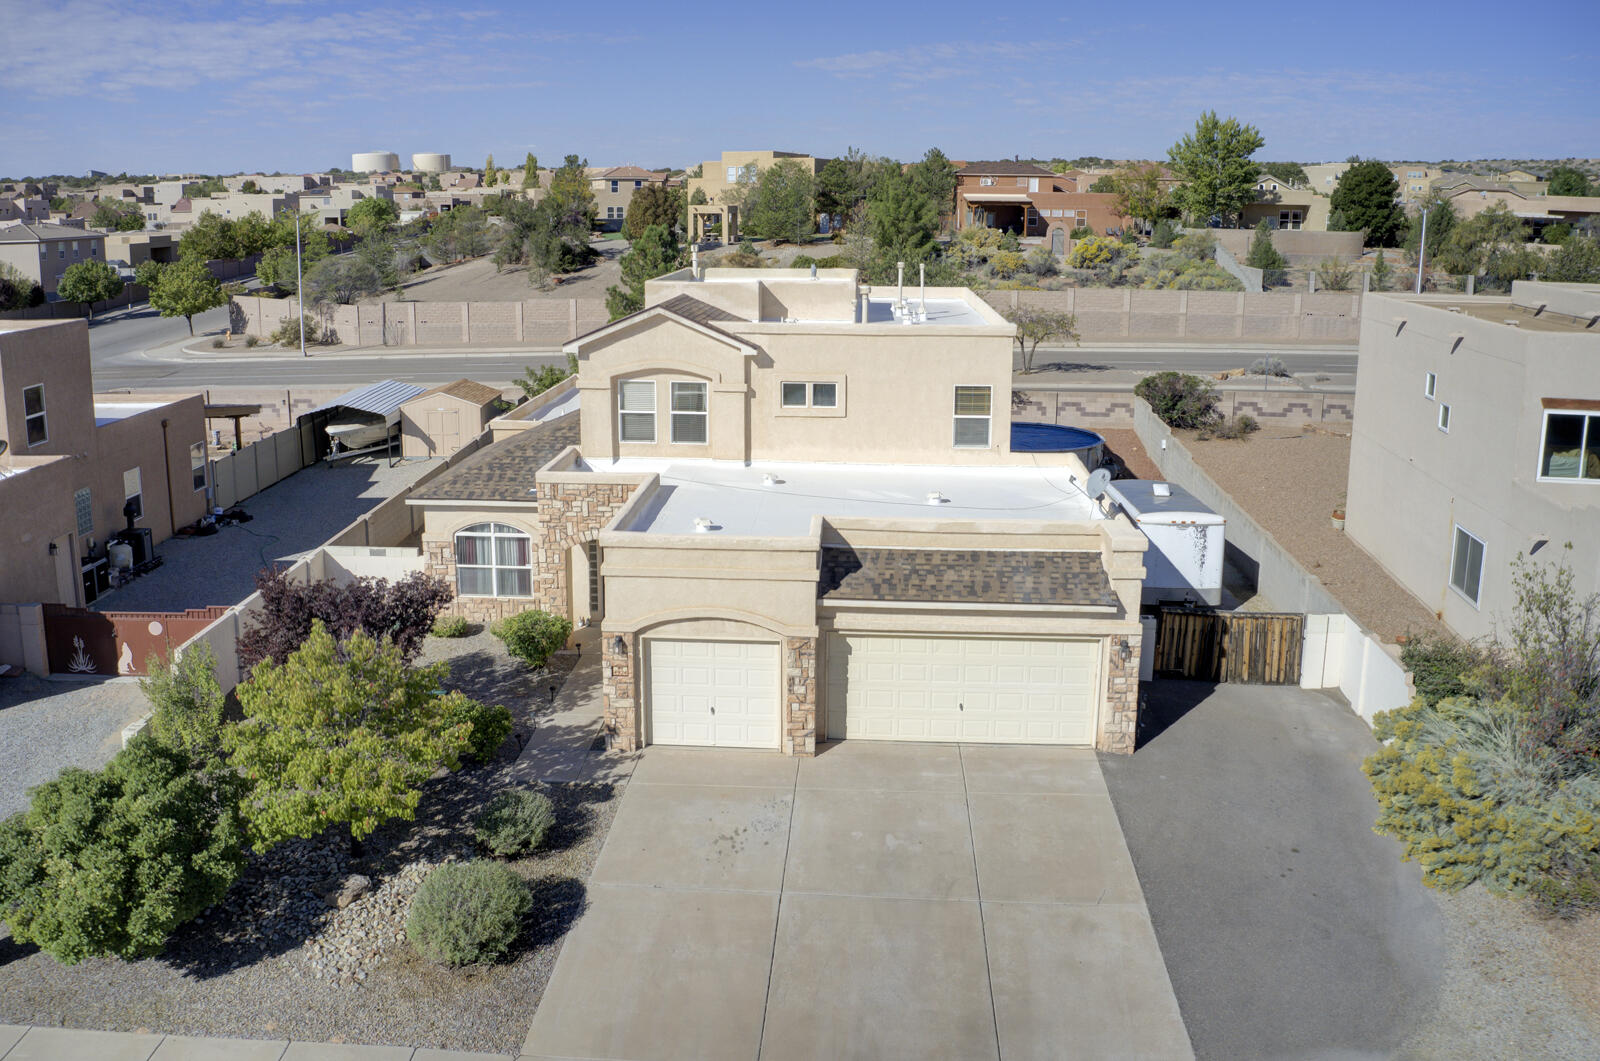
column 619, row 646
column 1124, row 649
column 53, row 549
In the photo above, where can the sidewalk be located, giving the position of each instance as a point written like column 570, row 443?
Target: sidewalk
column 73, row 1044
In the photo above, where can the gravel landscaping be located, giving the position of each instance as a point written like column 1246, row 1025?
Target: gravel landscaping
column 49, row 724
column 1289, row 479
column 478, row 280
column 278, row 958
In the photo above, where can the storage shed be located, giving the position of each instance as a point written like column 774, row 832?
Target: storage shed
column 438, row 422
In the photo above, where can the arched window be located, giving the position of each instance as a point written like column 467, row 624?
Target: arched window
column 493, row 560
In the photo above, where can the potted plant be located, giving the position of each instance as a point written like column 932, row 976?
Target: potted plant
column 1338, row 517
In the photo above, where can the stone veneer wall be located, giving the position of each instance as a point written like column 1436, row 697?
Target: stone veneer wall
column 1119, row 727
column 439, row 558
column 619, row 691
column 569, row 513
column 800, row 696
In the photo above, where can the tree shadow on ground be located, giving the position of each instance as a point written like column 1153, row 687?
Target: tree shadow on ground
column 1071, row 366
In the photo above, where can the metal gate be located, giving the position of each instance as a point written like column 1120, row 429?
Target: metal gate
column 1257, row 648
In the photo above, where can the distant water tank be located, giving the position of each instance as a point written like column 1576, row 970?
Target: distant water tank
column 430, row 162
column 374, row 162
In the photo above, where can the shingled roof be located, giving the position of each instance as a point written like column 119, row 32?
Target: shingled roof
column 685, row 307
column 1003, row 168
column 465, row 389
column 503, row 471
column 964, row 576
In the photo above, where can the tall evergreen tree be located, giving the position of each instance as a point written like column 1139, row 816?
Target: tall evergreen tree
column 653, row 254
column 1367, row 197
column 530, row 172
column 903, row 220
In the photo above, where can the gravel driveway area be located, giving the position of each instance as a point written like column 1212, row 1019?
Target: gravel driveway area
column 477, row 280
column 1289, row 479
column 291, row 517
column 47, row 724
column 273, row 960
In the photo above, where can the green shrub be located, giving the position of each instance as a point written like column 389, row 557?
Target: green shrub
column 217, row 344
column 1180, row 400
column 802, row 261
column 1164, row 234
column 1007, row 264
column 468, row 913
column 1081, row 232
column 451, row 626
column 110, row 862
column 1440, row 665
column 515, row 822
column 186, row 703
column 491, row 723
column 533, row 635
column 1269, row 366
column 1238, row 428
column 251, row 340
column 288, row 333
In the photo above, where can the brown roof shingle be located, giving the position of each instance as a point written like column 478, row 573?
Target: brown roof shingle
column 503, row 471
column 964, row 576
column 1003, row 168
column 465, row 389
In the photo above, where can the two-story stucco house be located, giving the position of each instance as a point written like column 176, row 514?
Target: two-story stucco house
column 791, row 505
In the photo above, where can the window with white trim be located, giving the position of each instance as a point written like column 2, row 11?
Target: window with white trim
column 493, row 560
column 636, row 410
column 1571, row 446
column 33, row 413
column 689, row 412
column 1430, row 385
column 197, row 465
column 613, row 185
column 1466, row 565
column 797, row 395
column 1444, row 418
column 733, row 174
column 972, row 417
column 133, row 491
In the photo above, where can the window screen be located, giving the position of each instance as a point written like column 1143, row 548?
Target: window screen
column 637, row 410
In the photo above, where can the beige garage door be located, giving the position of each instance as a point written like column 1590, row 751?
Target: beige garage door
column 714, row 693
column 980, row 690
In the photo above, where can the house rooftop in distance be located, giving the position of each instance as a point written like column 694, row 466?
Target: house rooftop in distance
column 1524, row 312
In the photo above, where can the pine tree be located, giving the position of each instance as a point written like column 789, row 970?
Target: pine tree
column 1264, row 256
column 653, row 254
column 1381, row 274
column 530, row 172
column 489, row 171
column 903, row 220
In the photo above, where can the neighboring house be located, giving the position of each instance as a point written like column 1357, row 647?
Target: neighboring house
column 1032, row 201
column 1478, row 440
column 1415, row 180
column 440, row 421
column 792, row 508
column 1323, row 177
column 613, row 190
column 70, row 464
column 283, row 182
column 1284, row 206
column 332, row 205
column 42, row 251
column 720, row 176
column 237, row 204
column 134, row 248
column 1537, row 210
column 24, row 208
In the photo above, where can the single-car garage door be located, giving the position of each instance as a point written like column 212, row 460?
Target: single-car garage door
column 713, row 693
column 980, row 690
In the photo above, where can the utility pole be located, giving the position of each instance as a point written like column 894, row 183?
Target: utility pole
column 299, row 282
column 1422, row 251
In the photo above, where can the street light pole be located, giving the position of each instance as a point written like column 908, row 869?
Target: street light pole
column 299, row 282
column 1422, row 251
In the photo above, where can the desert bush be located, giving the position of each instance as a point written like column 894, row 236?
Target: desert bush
column 802, row 261
column 468, row 913
column 1206, row 276
column 1571, row 886
column 1335, row 275
column 1239, row 427
column 217, row 343
column 1041, row 262
column 251, row 341
column 1268, row 366
column 533, row 635
column 1180, row 400
column 491, row 723
column 1006, row 264
column 1094, row 251
column 1164, row 234
column 1081, row 232
column 514, row 823
column 451, row 626
column 287, row 333
column 1441, row 666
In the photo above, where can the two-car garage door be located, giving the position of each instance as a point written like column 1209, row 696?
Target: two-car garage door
column 977, row 690
column 879, row 687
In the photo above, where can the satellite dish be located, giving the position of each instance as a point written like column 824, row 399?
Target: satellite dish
column 4, row 445
column 1099, row 479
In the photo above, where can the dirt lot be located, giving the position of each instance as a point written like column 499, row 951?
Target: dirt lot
column 1290, row 479
column 477, row 281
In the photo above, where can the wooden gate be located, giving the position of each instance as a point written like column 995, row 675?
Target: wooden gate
column 1258, row 648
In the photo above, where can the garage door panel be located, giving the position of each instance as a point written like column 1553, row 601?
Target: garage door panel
column 713, row 693
column 979, row 690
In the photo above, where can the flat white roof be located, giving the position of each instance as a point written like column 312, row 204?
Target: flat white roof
column 941, row 311
column 110, row 412
column 736, row 499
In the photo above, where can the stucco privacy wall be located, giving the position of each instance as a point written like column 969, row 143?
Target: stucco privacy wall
column 1336, row 652
column 1103, row 313
column 1111, row 405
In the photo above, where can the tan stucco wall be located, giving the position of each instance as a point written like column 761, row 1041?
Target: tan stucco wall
column 55, row 354
column 1411, row 483
column 714, row 180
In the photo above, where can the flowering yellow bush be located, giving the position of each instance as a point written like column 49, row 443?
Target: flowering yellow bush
column 1094, row 251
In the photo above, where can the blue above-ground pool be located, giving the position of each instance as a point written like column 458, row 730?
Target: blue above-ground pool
column 1052, row 438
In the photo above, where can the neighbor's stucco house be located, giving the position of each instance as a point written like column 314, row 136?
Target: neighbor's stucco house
column 789, row 504
column 1478, row 442
column 42, row 251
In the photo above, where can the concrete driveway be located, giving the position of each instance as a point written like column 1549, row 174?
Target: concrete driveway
column 878, row 901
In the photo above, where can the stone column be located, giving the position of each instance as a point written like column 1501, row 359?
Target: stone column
column 1119, row 724
column 620, row 690
column 800, row 696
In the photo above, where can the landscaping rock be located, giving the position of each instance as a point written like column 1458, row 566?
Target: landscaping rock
column 345, row 892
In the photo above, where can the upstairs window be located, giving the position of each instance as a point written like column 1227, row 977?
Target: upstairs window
column 33, row 413
column 613, row 185
column 1571, row 447
column 972, row 405
column 636, row 407
column 689, row 413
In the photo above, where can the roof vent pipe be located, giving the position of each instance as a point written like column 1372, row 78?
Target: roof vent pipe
column 922, row 280
column 900, row 286
column 813, row 270
column 694, row 262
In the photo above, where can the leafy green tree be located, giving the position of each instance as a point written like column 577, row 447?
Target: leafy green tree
column 114, row 214
column 784, row 209
column 1441, row 221
column 1367, row 197
column 654, row 253
column 935, row 175
column 252, row 234
column 383, row 258
column 1555, row 234
column 186, row 703
column 490, row 174
column 340, row 734
column 1141, row 194
column 1106, row 183
column 147, row 274
column 1036, row 326
column 835, row 188
column 1264, row 256
column 1214, row 164
column 185, row 289
column 210, row 238
column 461, row 233
column 1564, row 180
column 530, row 172
column 342, row 280
column 1576, row 261
column 250, row 187
column 373, row 216
column 651, row 205
column 1291, row 173
column 570, row 195
column 846, row 182
column 110, row 862
column 536, row 382
column 89, row 282
column 903, row 220
column 1489, row 244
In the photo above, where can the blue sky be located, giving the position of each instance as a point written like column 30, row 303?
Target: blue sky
column 296, row 85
